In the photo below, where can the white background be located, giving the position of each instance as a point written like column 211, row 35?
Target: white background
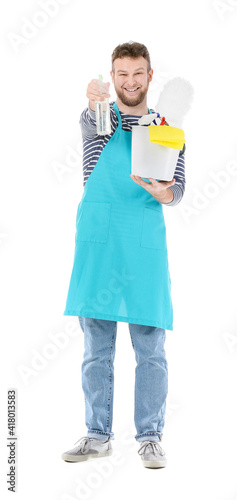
column 44, row 80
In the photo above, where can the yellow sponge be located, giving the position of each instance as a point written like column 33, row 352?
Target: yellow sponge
column 171, row 137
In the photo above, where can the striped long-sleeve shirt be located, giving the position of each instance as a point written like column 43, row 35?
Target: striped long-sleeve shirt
column 94, row 144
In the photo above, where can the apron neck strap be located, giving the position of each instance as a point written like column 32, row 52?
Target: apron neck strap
column 118, row 114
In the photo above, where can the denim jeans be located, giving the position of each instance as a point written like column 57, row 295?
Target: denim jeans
column 151, row 378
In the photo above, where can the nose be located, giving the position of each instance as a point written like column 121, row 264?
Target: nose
column 131, row 82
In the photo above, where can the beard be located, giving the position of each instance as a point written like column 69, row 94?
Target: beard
column 125, row 99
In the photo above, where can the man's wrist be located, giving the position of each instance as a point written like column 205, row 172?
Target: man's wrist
column 91, row 106
column 166, row 197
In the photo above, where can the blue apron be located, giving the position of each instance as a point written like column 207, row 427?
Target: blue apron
column 120, row 270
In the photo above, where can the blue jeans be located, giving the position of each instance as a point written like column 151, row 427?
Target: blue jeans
column 151, row 378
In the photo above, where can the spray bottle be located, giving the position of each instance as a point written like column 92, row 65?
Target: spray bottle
column 102, row 112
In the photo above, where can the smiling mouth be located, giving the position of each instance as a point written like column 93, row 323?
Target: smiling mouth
column 131, row 91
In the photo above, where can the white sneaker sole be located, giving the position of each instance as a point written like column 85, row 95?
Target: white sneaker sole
column 152, row 464
column 83, row 458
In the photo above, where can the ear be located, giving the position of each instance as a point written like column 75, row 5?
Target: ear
column 112, row 75
column 150, row 75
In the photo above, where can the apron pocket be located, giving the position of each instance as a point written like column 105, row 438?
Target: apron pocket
column 93, row 221
column 153, row 233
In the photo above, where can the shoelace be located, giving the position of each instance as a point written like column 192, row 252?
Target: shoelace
column 83, row 446
column 154, row 447
column 84, row 441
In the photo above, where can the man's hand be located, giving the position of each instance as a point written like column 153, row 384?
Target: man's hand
column 160, row 190
column 97, row 91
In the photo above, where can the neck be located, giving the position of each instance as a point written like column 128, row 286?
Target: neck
column 139, row 110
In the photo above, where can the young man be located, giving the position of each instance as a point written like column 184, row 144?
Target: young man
column 120, row 270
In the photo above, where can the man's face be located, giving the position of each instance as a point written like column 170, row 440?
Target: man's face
column 131, row 79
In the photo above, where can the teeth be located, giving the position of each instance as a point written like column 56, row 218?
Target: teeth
column 131, row 90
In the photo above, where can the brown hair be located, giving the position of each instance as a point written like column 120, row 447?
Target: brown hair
column 133, row 50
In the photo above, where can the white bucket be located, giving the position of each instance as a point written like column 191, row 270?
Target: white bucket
column 150, row 159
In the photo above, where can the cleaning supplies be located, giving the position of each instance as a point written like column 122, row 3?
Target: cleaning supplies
column 102, row 112
column 175, row 101
column 171, row 137
column 173, row 104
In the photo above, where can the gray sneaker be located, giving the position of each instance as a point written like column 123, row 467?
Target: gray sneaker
column 88, row 448
column 152, row 455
